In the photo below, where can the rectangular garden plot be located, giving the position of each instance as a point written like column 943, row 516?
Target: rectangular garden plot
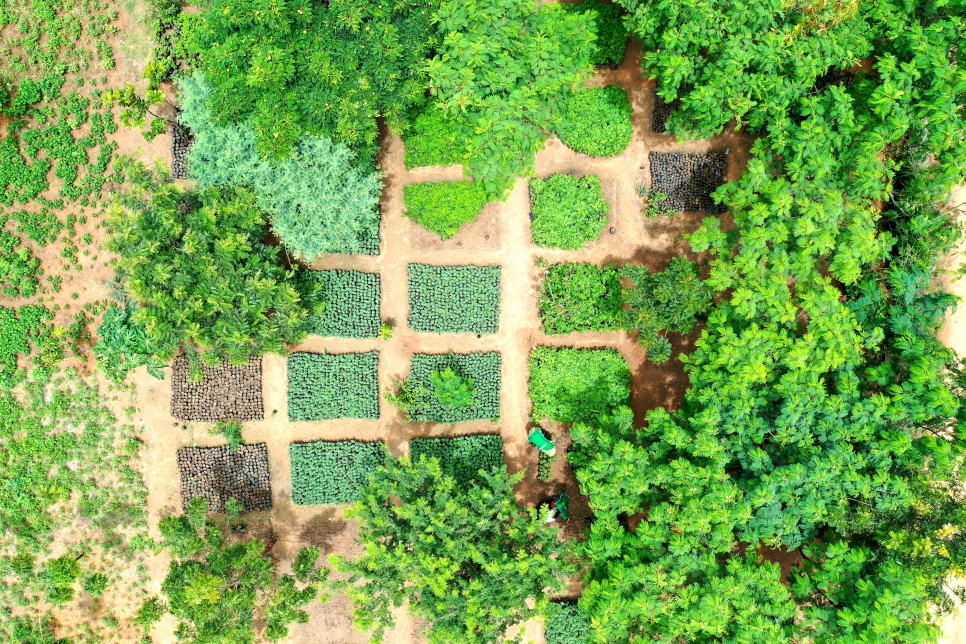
column 351, row 304
column 219, row 474
column 324, row 386
column 461, row 457
column 482, row 368
column 227, row 392
column 688, row 179
column 331, row 471
column 454, row 299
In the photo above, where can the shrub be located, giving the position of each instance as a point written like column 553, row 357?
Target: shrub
column 320, row 201
column 597, row 121
column 332, row 471
column 18, row 267
column 444, row 207
column 122, row 344
column 416, row 395
column 433, row 140
column 611, row 33
column 452, row 391
column 323, row 386
column 580, row 297
column 566, row 212
column 351, row 304
column 454, row 299
column 462, row 457
column 567, row 624
column 577, row 385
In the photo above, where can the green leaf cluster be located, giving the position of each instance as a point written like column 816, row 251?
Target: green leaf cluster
column 444, row 207
column 611, row 42
column 597, row 121
column 319, row 198
column 577, row 385
column 566, row 212
column 351, row 304
column 18, row 267
column 332, row 471
column 464, row 458
column 323, row 386
column 580, row 297
column 417, row 395
column 500, row 119
column 308, row 68
column 432, row 139
column 451, row 390
column 466, row 560
column 567, row 624
column 201, row 275
column 21, row 330
column 122, row 344
column 454, row 299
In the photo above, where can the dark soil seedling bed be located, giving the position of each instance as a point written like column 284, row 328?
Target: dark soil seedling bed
column 181, row 140
column 219, row 474
column 688, row 179
column 662, row 112
column 227, row 392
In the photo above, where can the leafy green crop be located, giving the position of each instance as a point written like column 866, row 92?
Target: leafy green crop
column 351, row 304
column 451, row 390
column 577, row 385
column 323, row 386
column 122, row 345
column 597, row 121
column 609, row 26
column 567, row 624
column 580, row 297
column 432, row 140
column 417, row 395
column 461, row 457
column 444, row 207
column 18, row 268
column 454, row 299
column 19, row 330
column 566, row 212
column 332, row 471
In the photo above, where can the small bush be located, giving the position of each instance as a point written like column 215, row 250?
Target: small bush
column 351, row 304
column 417, row 397
column 567, row 624
column 577, row 385
column 433, row 140
column 597, row 121
column 566, row 212
column 454, row 299
column 580, row 297
column 461, row 457
column 444, row 207
column 331, row 471
column 611, row 40
column 324, row 386
column 18, row 267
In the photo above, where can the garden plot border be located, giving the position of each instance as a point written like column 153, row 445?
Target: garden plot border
column 219, row 473
column 227, row 392
column 688, row 179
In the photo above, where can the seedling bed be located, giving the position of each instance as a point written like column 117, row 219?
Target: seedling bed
column 483, row 368
column 323, row 386
column 228, row 392
column 332, row 471
column 461, row 457
column 454, row 299
column 688, row 179
column 351, row 304
column 181, row 140
column 219, row 474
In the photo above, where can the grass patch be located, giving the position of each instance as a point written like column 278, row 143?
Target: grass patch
column 444, row 207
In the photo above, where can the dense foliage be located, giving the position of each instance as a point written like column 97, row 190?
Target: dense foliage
column 202, row 277
column 324, row 386
column 454, row 299
column 319, row 201
column 332, row 471
column 432, row 140
column 311, row 68
column 565, row 211
column 417, row 395
column 122, row 344
column 567, row 624
column 499, row 119
column 464, row 458
column 576, row 385
column 465, row 558
column 351, row 304
column 597, row 121
column 444, row 207
column 217, row 583
column 18, row 268
column 580, row 297
column 609, row 26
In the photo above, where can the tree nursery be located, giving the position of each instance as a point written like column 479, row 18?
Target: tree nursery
column 480, row 321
